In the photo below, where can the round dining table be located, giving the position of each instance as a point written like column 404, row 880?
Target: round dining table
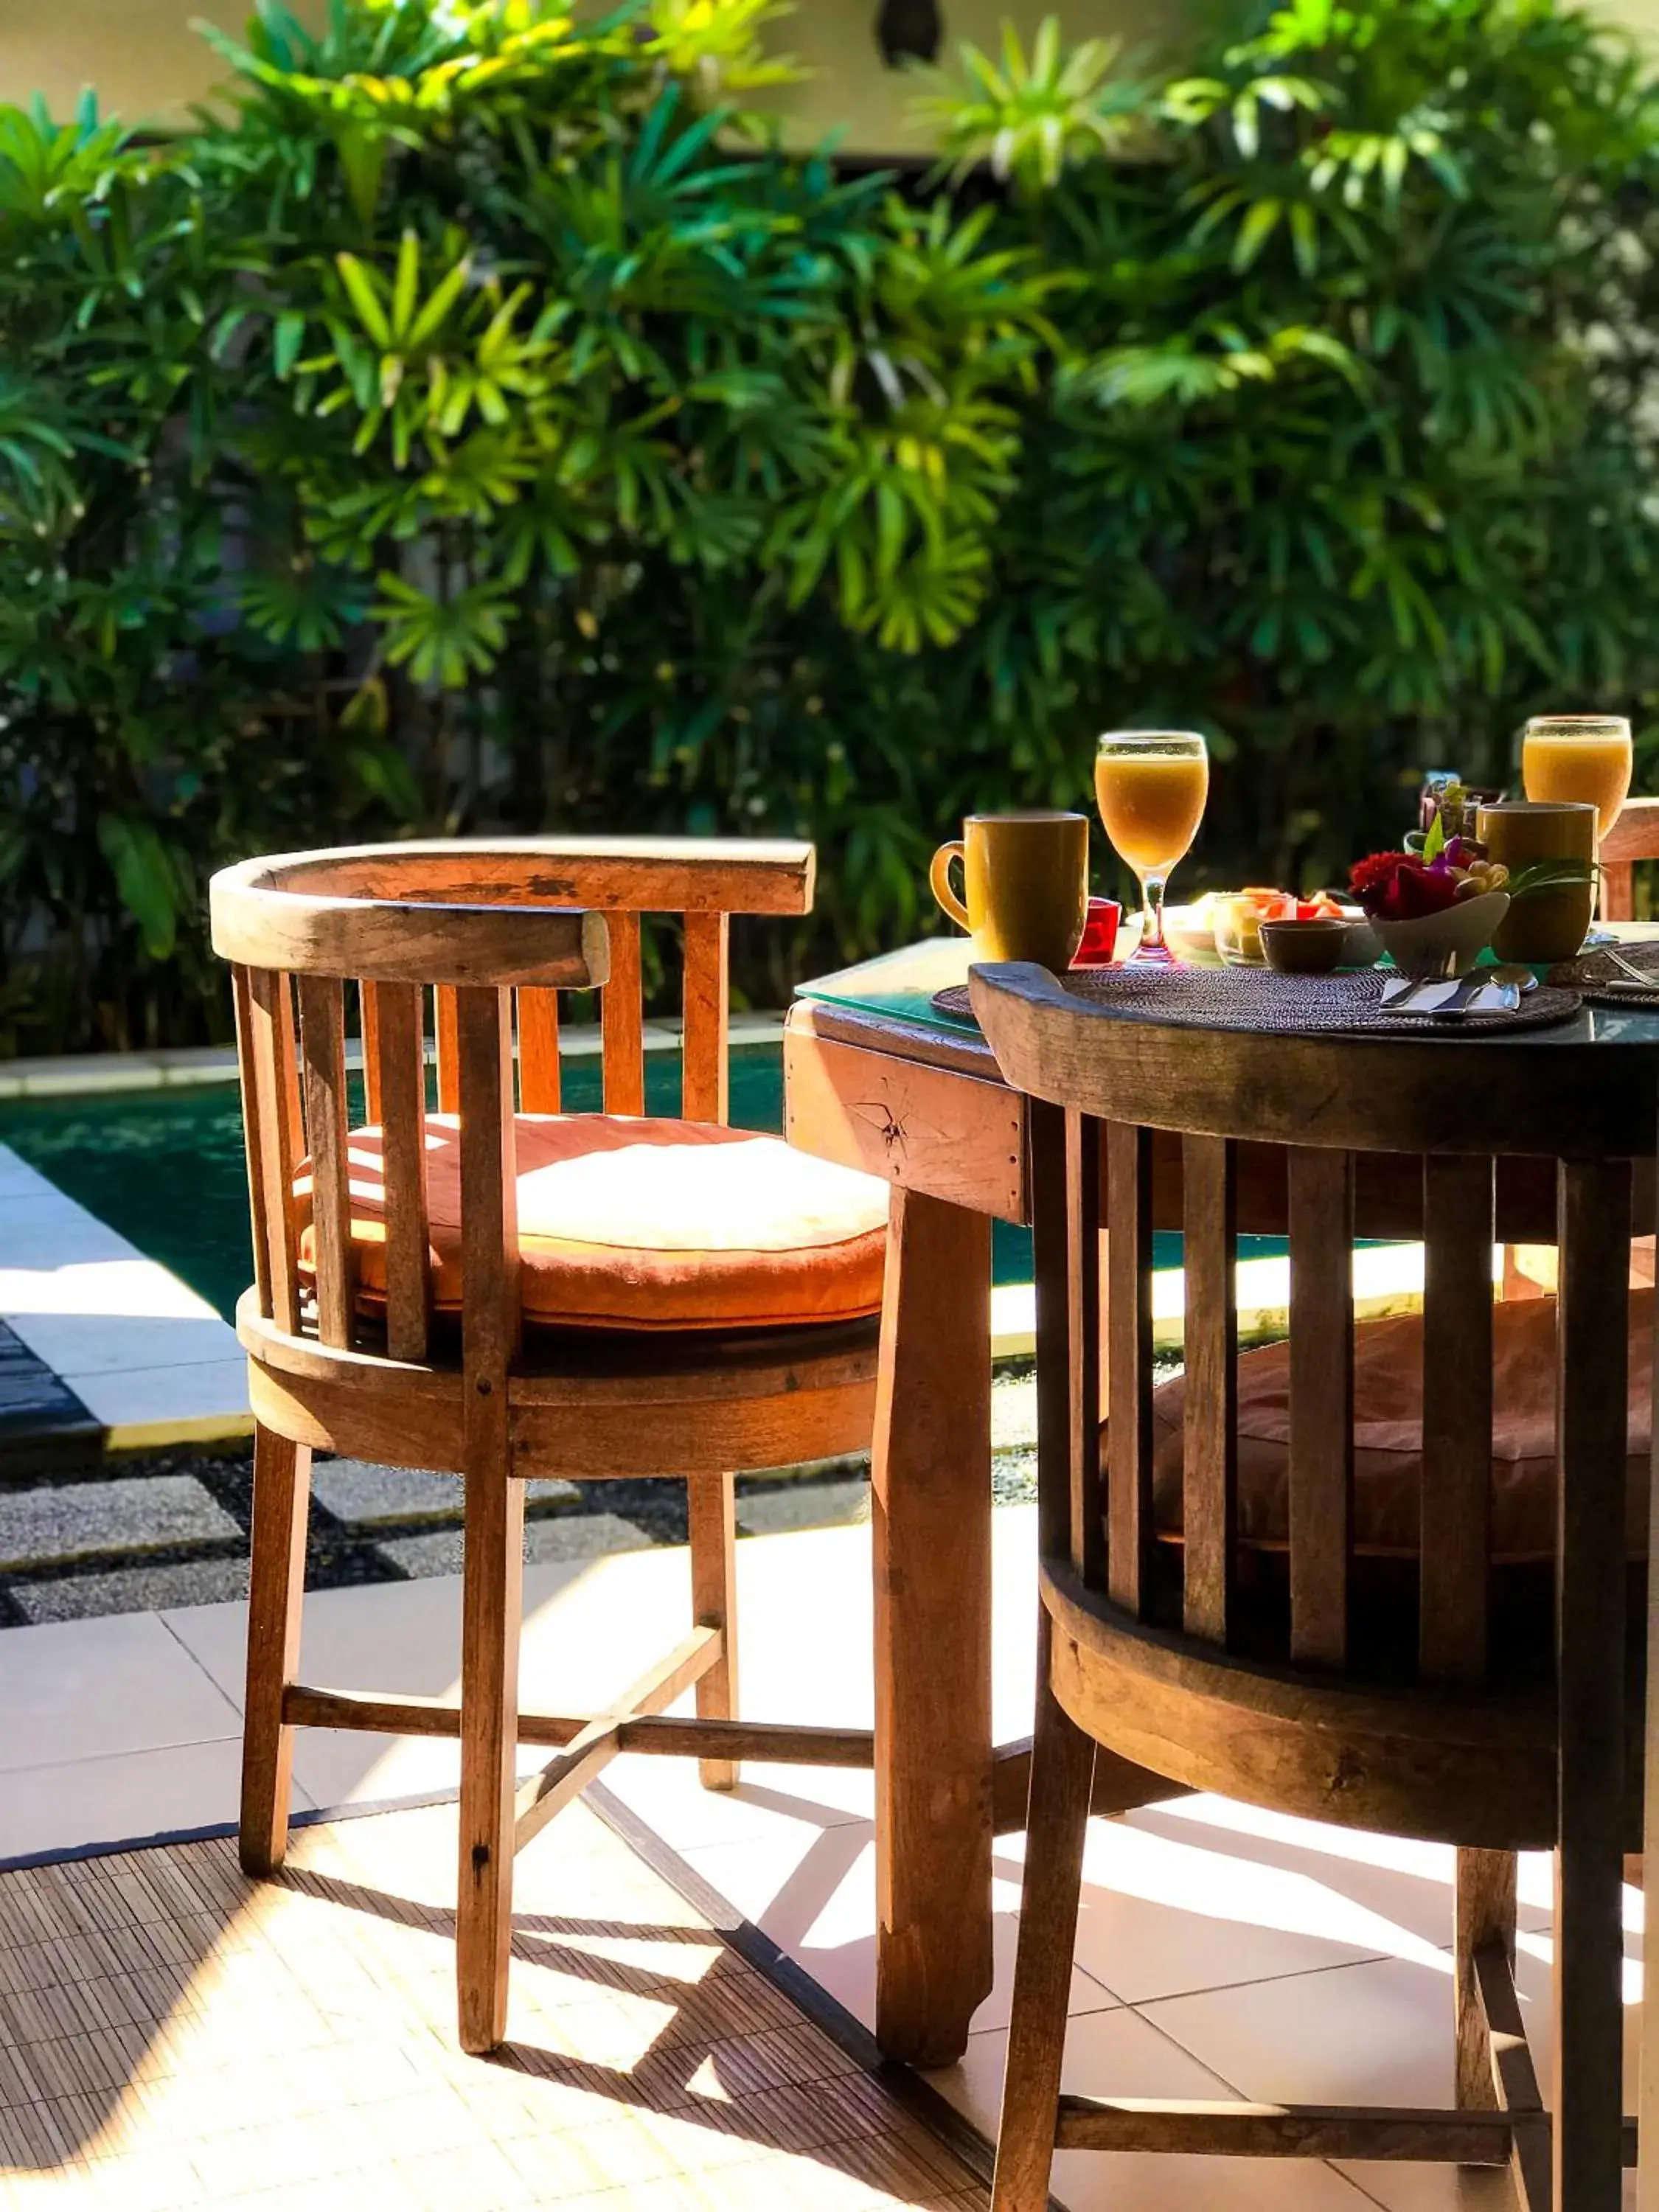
column 878, row 1078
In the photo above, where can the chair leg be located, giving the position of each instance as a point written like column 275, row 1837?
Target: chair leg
column 1062, row 1774
column 711, row 1515
column 277, row 1581
column 1484, row 1913
column 492, row 1595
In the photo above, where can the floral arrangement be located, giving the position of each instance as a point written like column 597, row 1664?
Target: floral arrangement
column 1404, row 886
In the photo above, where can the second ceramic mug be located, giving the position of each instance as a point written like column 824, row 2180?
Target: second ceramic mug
column 1545, row 926
column 1026, row 877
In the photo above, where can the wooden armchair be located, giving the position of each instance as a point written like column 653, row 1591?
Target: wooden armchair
column 1253, row 1590
column 506, row 1290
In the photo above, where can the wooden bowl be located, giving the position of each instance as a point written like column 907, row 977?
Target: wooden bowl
column 1305, row 948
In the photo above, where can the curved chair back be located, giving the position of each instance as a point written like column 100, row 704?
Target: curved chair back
column 1106, row 1084
column 470, row 943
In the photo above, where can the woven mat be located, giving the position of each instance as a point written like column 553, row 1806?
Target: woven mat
column 1260, row 998
column 1591, row 968
column 175, row 2035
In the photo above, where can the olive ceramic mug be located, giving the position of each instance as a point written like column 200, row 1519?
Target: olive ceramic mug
column 1026, row 877
column 1544, row 926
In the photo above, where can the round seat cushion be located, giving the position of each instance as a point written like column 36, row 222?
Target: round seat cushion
column 643, row 1223
column 1388, row 1435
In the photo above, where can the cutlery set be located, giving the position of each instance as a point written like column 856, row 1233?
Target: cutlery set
column 1490, row 991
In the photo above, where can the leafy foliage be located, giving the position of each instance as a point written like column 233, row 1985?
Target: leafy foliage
column 483, row 421
column 1346, row 459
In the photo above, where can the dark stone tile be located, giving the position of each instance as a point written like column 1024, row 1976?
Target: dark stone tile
column 43, row 1426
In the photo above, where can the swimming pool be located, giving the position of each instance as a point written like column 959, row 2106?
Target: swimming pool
column 165, row 1167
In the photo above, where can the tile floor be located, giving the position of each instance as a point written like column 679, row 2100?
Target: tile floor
column 1221, row 1950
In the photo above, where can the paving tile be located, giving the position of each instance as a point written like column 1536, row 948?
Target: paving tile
column 811, row 1888
column 17, row 1178
column 365, row 1495
column 1407, row 1883
column 81, row 1689
column 137, row 1514
column 75, row 1073
column 561, row 1536
column 1120, row 2054
column 86, row 1344
column 1161, row 1915
column 203, row 1403
column 39, row 1414
column 1013, row 1411
column 132, row 1589
column 142, row 1513
column 54, row 1257
column 796, row 1505
column 127, row 1794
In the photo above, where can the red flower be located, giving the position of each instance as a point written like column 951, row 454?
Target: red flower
column 1399, row 887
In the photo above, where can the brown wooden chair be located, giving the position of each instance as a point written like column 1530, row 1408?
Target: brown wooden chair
column 1415, row 1695
column 453, row 1290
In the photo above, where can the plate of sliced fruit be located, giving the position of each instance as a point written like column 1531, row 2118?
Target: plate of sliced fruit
column 1224, row 929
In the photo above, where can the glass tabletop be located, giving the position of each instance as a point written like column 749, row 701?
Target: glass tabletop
column 901, row 985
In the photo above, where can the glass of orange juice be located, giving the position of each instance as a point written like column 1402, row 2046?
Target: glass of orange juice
column 1151, row 786
column 1583, row 757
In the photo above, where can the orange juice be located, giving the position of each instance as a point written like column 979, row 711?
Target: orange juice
column 1590, row 764
column 1151, row 804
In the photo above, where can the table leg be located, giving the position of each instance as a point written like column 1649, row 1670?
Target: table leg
column 931, row 1539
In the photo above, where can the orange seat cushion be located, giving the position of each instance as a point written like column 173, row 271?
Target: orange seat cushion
column 645, row 1224
column 1388, row 1435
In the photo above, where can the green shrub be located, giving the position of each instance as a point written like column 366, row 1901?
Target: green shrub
column 1349, row 457
column 483, row 422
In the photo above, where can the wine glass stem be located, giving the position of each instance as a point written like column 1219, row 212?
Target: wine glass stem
column 1151, row 921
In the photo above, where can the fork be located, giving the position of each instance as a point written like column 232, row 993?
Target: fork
column 1647, row 978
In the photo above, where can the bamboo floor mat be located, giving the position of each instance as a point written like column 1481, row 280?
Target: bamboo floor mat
column 173, row 2034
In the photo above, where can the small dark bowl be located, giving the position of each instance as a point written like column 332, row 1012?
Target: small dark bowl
column 1304, row 948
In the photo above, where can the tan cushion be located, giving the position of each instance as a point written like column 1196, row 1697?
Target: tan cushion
column 1387, row 1434
column 646, row 1224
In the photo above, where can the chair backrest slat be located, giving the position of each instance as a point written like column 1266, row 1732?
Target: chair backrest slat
column 1209, row 1458
column 257, row 1137
column 270, row 998
column 1320, row 1477
column 1456, row 1511
column 400, row 1060
column 369, row 1031
column 322, row 1046
column 623, row 1017
column 1129, row 1298
column 539, row 1089
column 490, row 1225
column 704, row 1093
column 448, row 1053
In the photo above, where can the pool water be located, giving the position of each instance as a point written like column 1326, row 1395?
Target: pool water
column 165, row 1167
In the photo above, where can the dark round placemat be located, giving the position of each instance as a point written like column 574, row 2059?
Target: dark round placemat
column 1592, row 967
column 1261, row 998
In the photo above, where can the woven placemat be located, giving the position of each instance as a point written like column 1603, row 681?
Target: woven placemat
column 1591, row 968
column 1260, row 998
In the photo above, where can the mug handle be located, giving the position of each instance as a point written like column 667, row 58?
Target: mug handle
column 938, row 881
